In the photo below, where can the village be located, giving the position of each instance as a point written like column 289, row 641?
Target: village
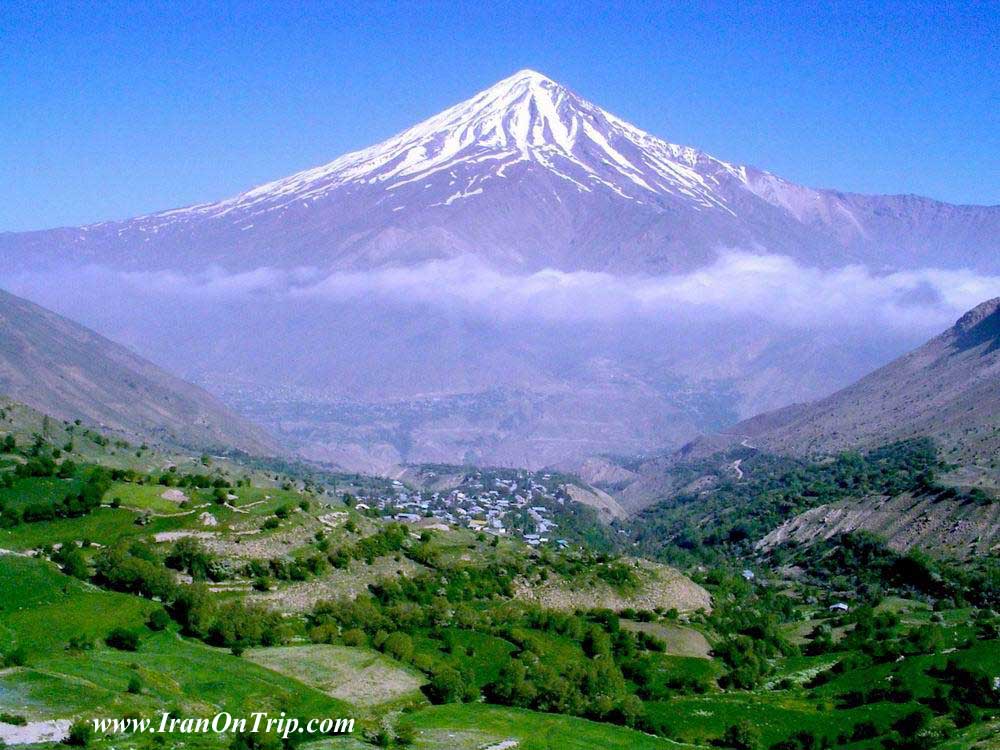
column 498, row 502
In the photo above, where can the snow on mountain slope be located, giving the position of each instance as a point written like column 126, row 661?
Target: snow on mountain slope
column 527, row 175
column 524, row 118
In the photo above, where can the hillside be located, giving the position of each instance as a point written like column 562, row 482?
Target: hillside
column 946, row 526
column 948, row 389
column 138, row 588
column 70, row 372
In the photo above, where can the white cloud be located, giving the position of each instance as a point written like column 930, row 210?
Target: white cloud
column 739, row 285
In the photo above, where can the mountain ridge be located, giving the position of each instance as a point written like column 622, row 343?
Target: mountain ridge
column 527, row 174
column 63, row 369
column 948, row 389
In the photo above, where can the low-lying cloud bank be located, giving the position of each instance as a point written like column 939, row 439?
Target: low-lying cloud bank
column 741, row 285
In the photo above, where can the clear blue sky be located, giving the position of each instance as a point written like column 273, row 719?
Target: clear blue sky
column 111, row 110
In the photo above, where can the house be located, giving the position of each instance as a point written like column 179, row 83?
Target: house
column 748, row 575
column 839, row 607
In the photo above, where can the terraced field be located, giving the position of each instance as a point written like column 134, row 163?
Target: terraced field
column 358, row 676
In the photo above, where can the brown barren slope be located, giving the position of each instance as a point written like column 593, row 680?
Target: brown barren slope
column 948, row 389
column 69, row 372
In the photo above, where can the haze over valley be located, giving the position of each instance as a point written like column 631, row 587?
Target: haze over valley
column 523, row 279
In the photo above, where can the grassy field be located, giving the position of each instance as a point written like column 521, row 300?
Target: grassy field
column 912, row 671
column 42, row 610
column 670, row 667
column 679, row 640
column 149, row 497
column 36, row 490
column 702, row 719
column 476, row 726
column 485, row 654
column 359, row 676
column 103, row 526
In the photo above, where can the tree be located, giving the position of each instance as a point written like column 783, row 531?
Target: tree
column 399, row 646
column 189, row 554
column 446, row 686
column 913, row 723
column 354, row 637
column 72, row 561
column 80, row 733
column 194, row 608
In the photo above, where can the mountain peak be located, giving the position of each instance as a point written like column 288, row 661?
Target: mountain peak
column 523, row 123
column 525, row 74
column 978, row 314
column 981, row 325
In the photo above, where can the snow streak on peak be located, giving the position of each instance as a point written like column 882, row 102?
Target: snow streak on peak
column 526, row 119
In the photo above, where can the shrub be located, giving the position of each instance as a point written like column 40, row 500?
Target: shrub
column 123, row 639
column 134, row 685
column 158, row 619
column 16, row 657
column 80, row 734
column 446, row 686
column 399, row 646
column 354, row 637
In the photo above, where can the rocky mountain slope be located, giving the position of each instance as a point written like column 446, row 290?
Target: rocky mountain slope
column 948, row 389
column 949, row 527
column 69, row 372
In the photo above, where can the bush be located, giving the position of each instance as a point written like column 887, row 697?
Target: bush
column 134, row 685
column 446, row 686
column 158, row 620
column 742, row 736
column 123, row 639
column 16, row 657
column 354, row 637
column 80, row 734
column 399, row 646
column 405, row 735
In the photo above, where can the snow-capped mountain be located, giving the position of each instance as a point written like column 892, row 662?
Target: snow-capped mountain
column 528, row 175
column 526, row 118
column 433, row 297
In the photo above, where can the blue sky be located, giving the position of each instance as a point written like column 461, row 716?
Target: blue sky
column 115, row 110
